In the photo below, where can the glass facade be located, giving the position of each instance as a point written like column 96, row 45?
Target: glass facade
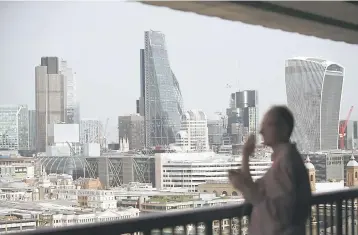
column 14, row 127
column 314, row 89
column 163, row 104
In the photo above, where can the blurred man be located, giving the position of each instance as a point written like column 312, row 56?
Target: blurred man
column 281, row 198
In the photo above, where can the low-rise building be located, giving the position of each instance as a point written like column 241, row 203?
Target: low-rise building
column 18, row 170
column 219, row 188
column 54, row 213
column 13, row 224
column 60, row 220
column 184, row 202
column 100, row 199
column 89, row 183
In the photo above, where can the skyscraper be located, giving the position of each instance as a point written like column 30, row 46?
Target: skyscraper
column 314, row 90
column 72, row 107
column 14, row 127
column 50, row 99
column 161, row 99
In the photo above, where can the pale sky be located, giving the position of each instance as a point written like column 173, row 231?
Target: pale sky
column 101, row 42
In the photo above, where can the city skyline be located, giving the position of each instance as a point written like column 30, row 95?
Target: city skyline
column 233, row 47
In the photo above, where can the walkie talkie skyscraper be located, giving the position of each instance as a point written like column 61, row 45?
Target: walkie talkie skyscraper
column 314, row 90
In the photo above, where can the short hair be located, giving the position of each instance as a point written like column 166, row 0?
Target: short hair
column 284, row 115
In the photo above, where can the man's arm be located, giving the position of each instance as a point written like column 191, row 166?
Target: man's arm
column 250, row 189
column 278, row 178
column 253, row 191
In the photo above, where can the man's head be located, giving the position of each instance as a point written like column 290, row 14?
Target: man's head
column 277, row 125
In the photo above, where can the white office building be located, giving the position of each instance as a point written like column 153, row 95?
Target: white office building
column 60, row 220
column 188, row 170
column 193, row 134
column 14, row 127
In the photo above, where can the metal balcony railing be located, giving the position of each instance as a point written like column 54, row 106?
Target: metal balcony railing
column 332, row 213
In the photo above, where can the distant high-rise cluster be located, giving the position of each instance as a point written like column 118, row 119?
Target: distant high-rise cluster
column 242, row 115
column 314, row 90
column 160, row 97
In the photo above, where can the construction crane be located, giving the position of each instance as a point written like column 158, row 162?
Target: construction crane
column 342, row 129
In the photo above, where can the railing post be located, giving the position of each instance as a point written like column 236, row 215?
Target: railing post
column 209, row 227
column 339, row 217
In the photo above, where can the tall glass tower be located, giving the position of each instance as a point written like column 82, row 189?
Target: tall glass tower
column 161, row 101
column 314, row 90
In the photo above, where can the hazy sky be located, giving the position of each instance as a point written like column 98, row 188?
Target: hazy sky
column 101, row 42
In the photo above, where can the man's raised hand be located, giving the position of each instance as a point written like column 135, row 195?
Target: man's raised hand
column 249, row 147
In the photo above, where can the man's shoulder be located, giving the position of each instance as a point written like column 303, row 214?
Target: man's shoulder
column 288, row 150
column 289, row 155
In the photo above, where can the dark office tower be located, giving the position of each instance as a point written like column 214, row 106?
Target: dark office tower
column 314, row 90
column 137, row 107
column 52, row 64
column 160, row 93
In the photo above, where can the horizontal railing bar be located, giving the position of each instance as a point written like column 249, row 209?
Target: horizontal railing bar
column 159, row 220
column 179, row 218
column 328, row 197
